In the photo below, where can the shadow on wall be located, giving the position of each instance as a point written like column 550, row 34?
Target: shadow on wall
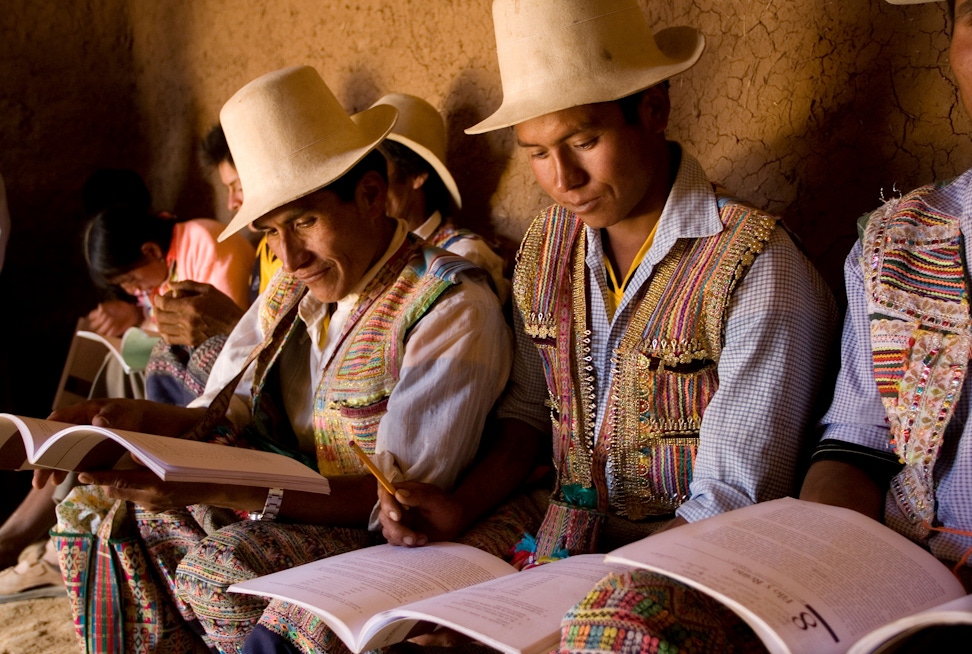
column 478, row 162
column 871, row 141
column 168, row 110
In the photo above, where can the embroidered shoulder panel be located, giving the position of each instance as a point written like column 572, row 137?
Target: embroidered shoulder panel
column 921, row 340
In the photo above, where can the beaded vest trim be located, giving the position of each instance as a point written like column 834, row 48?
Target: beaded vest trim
column 665, row 366
column 921, row 338
column 352, row 394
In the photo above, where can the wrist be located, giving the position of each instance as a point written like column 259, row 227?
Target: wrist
column 271, row 507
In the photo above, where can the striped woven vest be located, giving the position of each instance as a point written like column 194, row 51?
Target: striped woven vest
column 921, row 338
column 665, row 370
column 352, row 394
column 447, row 233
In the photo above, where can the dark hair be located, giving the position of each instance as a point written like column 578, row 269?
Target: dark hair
column 951, row 9
column 345, row 185
column 108, row 187
column 114, row 238
column 409, row 164
column 629, row 104
column 213, row 149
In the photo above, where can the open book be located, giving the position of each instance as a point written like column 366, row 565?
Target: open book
column 374, row 597
column 132, row 350
column 34, row 443
column 806, row 577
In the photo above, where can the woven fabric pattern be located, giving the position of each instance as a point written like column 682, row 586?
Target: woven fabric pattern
column 647, row 613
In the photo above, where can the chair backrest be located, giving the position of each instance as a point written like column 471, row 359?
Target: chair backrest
column 84, row 361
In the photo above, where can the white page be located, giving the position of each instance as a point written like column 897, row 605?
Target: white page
column 172, row 459
column 516, row 613
column 354, row 586
column 807, row 577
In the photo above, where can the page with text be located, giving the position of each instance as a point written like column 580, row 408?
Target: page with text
column 517, row 614
column 348, row 589
column 808, row 578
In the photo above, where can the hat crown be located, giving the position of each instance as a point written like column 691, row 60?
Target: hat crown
column 418, row 121
column 421, row 128
column 289, row 136
column 556, row 54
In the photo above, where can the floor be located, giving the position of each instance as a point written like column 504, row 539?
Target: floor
column 42, row 626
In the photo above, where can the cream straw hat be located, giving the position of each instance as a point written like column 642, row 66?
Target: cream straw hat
column 557, row 54
column 289, row 137
column 421, row 129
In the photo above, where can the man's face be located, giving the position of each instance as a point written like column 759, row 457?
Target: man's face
column 231, row 180
column 960, row 52
column 591, row 161
column 327, row 244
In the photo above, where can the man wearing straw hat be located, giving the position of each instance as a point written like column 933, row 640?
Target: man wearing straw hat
column 370, row 336
column 422, row 191
column 670, row 338
column 897, row 444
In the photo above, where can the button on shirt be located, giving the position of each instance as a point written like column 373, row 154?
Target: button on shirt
column 779, row 326
column 857, row 414
column 456, row 363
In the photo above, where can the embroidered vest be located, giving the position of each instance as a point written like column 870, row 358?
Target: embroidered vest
column 665, row 366
column 352, row 394
column 921, row 338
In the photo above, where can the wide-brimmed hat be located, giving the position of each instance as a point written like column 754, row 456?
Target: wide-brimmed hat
column 421, row 129
column 557, row 54
column 289, row 137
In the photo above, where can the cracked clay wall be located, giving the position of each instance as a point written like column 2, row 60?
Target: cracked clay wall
column 812, row 109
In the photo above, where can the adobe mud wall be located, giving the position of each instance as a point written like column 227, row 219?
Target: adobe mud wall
column 812, row 109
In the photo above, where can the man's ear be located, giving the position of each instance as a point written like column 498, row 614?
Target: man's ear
column 418, row 181
column 370, row 194
column 152, row 251
column 654, row 108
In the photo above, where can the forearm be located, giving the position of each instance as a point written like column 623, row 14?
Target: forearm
column 510, row 459
column 349, row 504
column 843, row 484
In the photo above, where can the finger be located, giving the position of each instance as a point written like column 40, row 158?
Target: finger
column 389, row 504
column 40, row 478
column 190, row 287
column 398, row 534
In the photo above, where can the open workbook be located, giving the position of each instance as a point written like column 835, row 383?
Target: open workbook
column 34, row 443
column 808, row 577
column 374, row 597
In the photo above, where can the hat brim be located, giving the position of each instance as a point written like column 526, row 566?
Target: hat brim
column 437, row 165
column 374, row 124
column 682, row 46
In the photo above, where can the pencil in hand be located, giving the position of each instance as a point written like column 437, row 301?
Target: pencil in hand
column 372, row 468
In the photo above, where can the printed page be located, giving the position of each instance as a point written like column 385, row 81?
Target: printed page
column 955, row 612
column 84, row 447
column 807, row 577
column 516, row 613
column 175, row 459
column 35, row 433
column 348, row 589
